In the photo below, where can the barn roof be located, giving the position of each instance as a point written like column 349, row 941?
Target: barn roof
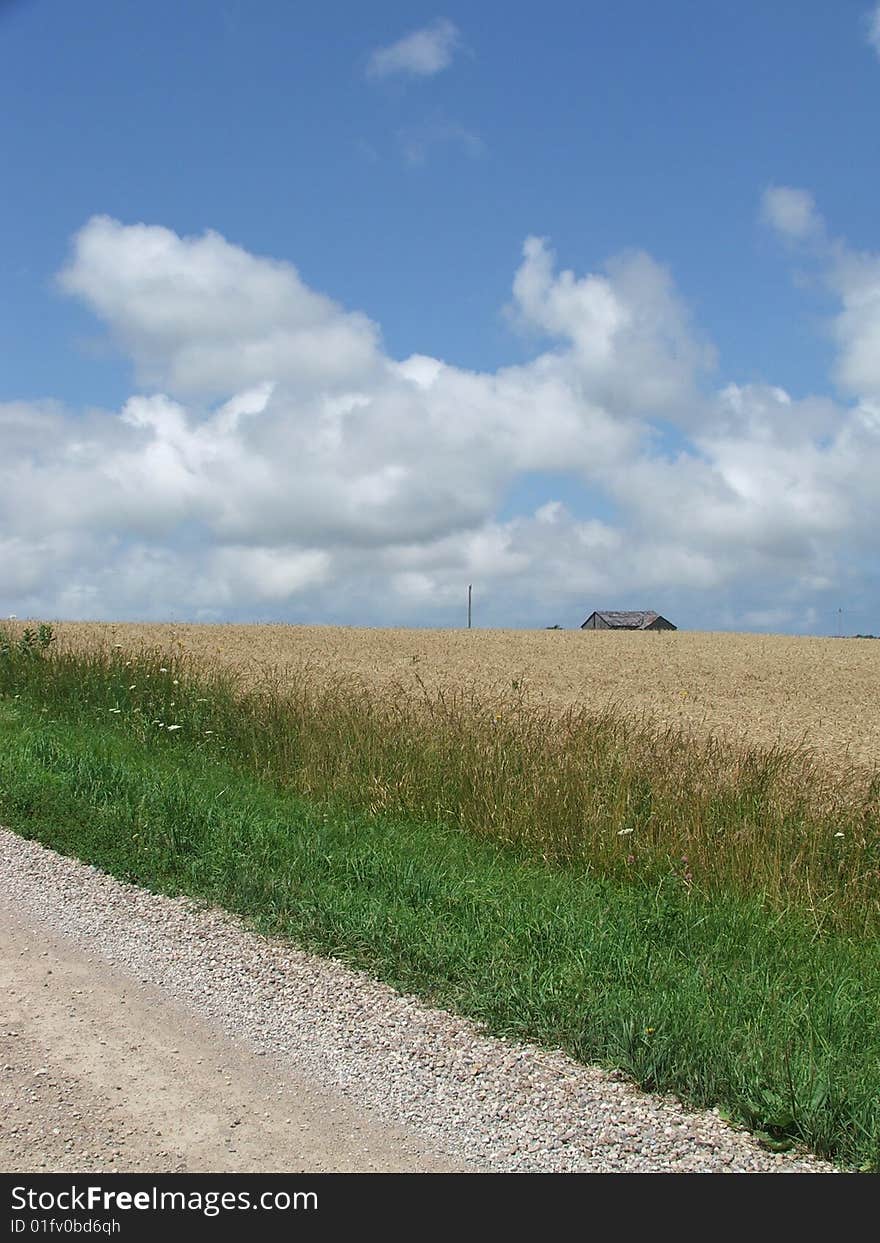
column 631, row 620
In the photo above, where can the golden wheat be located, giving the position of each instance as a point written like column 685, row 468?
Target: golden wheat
column 821, row 693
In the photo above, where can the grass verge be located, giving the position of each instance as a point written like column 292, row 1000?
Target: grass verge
column 715, row 996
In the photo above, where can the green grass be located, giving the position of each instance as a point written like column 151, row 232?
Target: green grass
column 723, row 996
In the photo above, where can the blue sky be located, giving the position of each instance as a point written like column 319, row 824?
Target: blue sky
column 707, row 174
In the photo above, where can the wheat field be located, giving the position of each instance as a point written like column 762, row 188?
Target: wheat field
column 821, row 693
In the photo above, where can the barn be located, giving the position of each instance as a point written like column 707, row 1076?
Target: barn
column 615, row 619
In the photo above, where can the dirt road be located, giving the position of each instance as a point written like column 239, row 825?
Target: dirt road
column 99, row 1071
column 140, row 1031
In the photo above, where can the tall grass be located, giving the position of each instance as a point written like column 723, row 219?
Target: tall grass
column 597, row 790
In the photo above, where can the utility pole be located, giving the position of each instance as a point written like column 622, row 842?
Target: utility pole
column 470, row 589
column 840, row 623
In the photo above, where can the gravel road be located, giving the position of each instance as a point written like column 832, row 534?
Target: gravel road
column 140, row 1032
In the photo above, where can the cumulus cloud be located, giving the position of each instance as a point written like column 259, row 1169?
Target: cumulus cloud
column 419, row 54
column 792, row 213
column 852, row 276
column 626, row 333
column 199, row 315
column 278, row 462
column 855, row 278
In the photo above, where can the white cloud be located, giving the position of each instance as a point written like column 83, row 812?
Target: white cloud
column 852, row 276
column 792, row 213
column 279, row 463
column 628, row 333
column 586, row 310
column 855, row 278
column 420, row 54
column 202, row 316
column 263, row 574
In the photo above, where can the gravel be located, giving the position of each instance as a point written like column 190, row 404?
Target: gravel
column 495, row 1104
